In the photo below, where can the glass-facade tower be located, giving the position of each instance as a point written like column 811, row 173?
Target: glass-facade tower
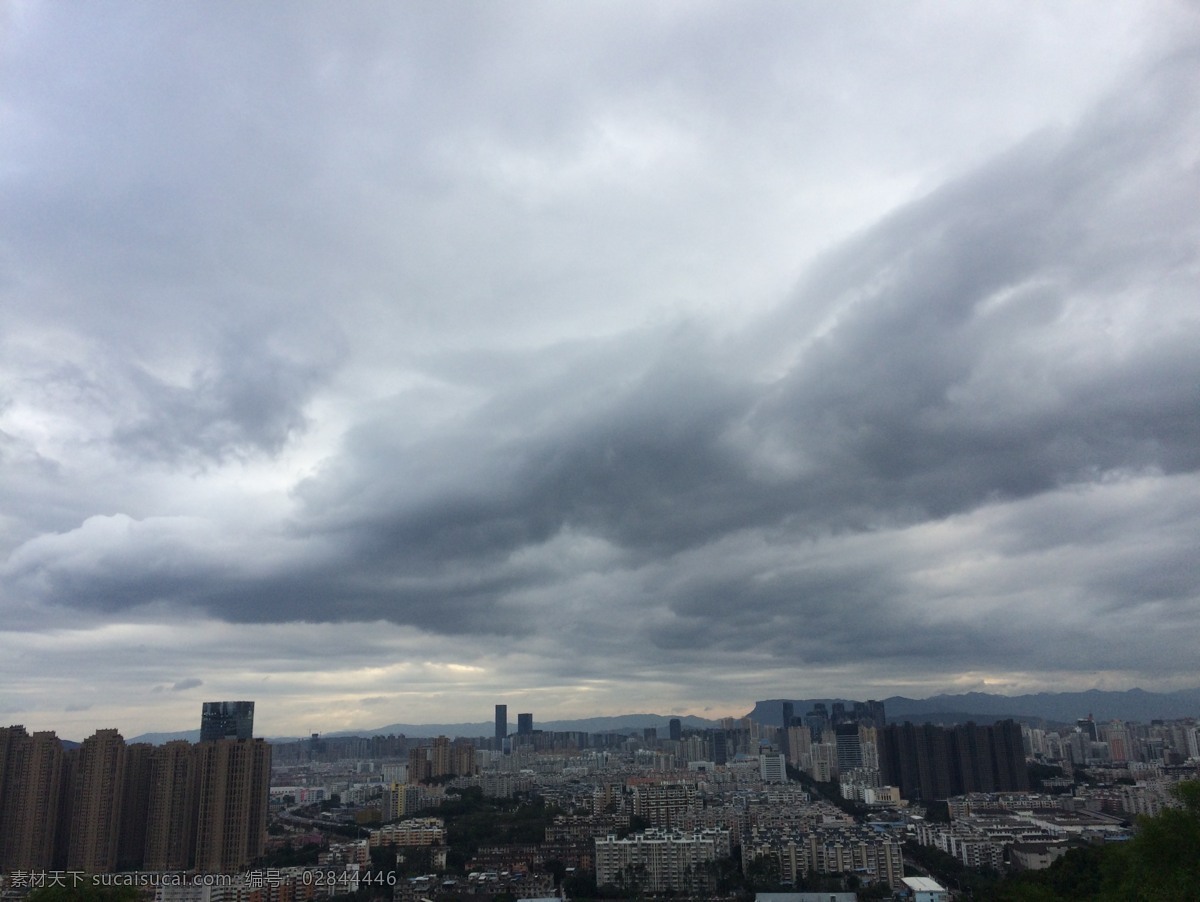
column 226, row 720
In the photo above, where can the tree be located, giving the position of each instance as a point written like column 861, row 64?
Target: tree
column 1162, row 861
column 637, row 824
column 558, row 869
column 1160, row 864
column 937, row 812
column 762, row 873
column 1039, row 773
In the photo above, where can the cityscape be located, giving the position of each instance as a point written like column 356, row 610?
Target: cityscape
column 832, row 797
column 500, row 451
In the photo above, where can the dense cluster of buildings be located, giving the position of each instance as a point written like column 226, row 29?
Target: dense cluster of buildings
column 1118, row 743
column 1030, row 830
column 649, row 810
column 107, row 805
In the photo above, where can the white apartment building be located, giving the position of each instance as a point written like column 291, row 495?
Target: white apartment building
column 772, row 768
column 661, row 860
column 418, row 831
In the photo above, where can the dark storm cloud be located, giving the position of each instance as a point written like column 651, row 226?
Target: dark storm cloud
column 248, row 399
column 464, row 338
column 977, row 350
column 974, row 347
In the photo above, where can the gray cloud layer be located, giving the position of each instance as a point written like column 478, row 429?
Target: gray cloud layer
column 352, row 331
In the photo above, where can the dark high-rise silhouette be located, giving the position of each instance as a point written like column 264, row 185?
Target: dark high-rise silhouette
column 524, row 724
column 720, row 746
column 928, row 762
column 226, row 720
column 789, row 714
column 870, row 713
column 501, row 725
column 131, row 846
column 171, row 808
column 848, row 746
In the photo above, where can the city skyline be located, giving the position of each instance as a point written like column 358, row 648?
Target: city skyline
column 381, row 363
column 235, row 719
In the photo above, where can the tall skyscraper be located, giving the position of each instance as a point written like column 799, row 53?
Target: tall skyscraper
column 524, row 724
column 226, row 720
column 878, row 715
column 676, row 728
column 789, row 714
column 849, row 749
column 501, row 725
column 720, row 746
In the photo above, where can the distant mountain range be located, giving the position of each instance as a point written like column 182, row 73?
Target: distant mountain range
column 163, row 738
column 981, row 707
column 984, row 707
column 618, row 724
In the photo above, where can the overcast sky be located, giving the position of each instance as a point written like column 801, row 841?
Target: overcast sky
column 383, row 362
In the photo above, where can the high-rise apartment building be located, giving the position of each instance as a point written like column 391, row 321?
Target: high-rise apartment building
column 131, row 846
column 420, row 768
column 226, row 720
column 97, row 794
column 234, row 777
column 107, row 806
column 31, row 799
column 171, row 808
column 439, row 758
column 664, row 805
column 462, row 757
column 929, row 762
column 660, row 860
column 400, row 799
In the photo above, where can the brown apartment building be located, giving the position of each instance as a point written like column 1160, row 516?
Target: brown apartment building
column 107, row 805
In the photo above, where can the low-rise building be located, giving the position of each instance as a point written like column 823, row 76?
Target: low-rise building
column 418, row 831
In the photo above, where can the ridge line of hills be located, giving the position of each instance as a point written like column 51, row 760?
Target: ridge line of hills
column 982, row 707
